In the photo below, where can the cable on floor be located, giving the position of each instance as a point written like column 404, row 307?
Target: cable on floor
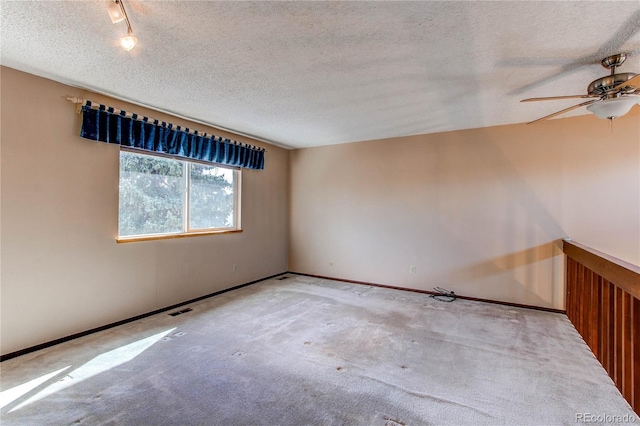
column 444, row 295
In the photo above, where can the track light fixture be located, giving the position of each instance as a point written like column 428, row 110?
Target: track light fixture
column 117, row 13
column 128, row 42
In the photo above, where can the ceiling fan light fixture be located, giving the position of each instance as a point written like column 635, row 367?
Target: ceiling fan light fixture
column 612, row 108
column 115, row 12
column 617, row 93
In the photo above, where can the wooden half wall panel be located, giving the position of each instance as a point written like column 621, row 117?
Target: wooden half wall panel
column 604, row 307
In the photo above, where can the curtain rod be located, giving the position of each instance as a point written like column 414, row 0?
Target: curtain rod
column 80, row 102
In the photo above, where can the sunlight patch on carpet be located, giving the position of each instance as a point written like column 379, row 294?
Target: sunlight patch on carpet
column 97, row 365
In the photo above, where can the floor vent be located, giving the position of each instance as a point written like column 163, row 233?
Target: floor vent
column 184, row 311
column 282, row 278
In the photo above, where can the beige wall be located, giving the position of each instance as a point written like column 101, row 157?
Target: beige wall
column 480, row 211
column 62, row 271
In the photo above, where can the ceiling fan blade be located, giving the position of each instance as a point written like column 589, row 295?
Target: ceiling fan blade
column 553, row 98
column 635, row 81
column 564, row 110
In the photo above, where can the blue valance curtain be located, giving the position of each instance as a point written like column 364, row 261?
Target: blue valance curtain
column 106, row 125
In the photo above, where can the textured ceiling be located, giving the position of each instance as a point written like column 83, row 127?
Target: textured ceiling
column 315, row 73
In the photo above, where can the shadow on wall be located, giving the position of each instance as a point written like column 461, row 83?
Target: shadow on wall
column 522, row 275
column 501, row 212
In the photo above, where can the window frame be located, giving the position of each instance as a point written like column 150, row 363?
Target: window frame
column 186, row 231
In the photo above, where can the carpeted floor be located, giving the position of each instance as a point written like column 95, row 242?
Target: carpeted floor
column 306, row 351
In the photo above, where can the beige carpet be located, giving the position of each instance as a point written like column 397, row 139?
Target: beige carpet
column 305, row 351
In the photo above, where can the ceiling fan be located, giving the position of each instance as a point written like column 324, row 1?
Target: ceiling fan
column 614, row 94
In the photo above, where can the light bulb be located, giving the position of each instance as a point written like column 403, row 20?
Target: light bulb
column 115, row 13
column 128, row 42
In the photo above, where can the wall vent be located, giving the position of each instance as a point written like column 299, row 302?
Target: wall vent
column 184, row 311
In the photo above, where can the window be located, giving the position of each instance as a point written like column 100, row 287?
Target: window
column 165, row 196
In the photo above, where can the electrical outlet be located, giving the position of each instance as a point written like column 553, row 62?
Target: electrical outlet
column 235, row 267
column 412, row 269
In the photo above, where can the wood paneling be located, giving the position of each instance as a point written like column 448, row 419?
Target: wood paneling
column 636, row 354
column 623, row 274
column 604, row 307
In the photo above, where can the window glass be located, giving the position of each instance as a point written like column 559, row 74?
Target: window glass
column 166, row 196
column 211, row 197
